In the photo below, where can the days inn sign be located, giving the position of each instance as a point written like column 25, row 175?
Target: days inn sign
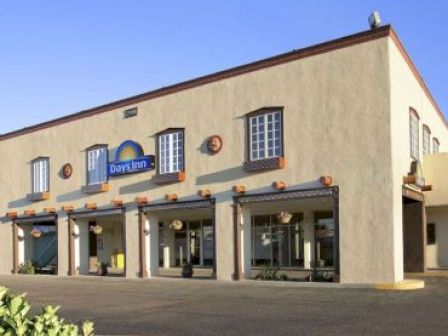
column 129, row 159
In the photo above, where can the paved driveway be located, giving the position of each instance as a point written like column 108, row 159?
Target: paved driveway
column 190, row 307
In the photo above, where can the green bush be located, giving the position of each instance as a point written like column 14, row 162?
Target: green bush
column 14, row 320
column 270, row 274
column 27, row 268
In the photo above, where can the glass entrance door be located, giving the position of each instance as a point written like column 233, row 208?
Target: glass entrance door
column 277, row 244
column 195, row 243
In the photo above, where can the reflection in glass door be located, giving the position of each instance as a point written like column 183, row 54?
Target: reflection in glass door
column 194, row 235
column 276, row 244
column 324, row 239
column 195, row 243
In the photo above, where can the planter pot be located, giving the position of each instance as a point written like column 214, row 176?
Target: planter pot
column 102, row 270
column 187, row 271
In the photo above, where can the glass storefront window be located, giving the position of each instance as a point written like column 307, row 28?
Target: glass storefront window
column 324, row 239
column 207, row 243
column 277, row 244
column 194, row 243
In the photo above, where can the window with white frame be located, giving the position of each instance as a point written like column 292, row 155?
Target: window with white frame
column 41, row 175
column 97, row 165
column 426, row 140
column 171, row 152
column 265, row 138
column 414, row 134
column 435, row 145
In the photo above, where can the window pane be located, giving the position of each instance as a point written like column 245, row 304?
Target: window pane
column 265, row 135
column 171, row 152
column 97, row 166
column 40, row 175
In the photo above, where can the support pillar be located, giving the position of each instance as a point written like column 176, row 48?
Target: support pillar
column 237, row 217
column 62, row 227
column 152, row 245
column 15, row 248
column 308, row 239
column 131, row 241
column 71, row 247
column 142, row 243
column 246, row 242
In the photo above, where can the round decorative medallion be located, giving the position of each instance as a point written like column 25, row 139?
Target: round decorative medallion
column 214, row 144
column 67, row 170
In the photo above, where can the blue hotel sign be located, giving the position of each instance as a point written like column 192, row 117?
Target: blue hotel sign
column 129, row 158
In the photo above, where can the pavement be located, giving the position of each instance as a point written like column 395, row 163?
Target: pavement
column 207, row 307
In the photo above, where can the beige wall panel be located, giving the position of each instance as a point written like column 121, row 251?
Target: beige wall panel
column 337, row 122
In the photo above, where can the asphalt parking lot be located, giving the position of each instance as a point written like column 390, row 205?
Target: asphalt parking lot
column 191, row 307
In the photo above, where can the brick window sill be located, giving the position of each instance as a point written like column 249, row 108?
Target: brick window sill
column 39, row 196
column 265, row 164
column 95, row 188
column 169, row 178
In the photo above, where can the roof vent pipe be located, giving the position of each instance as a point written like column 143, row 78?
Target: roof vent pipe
column 374, row 20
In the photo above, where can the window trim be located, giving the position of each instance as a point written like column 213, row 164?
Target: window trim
column 166, row 131
column 413, row 112
column 426, row 128
column 261, row 111
column 87, row 150
column 40, row 158
column 434, row 139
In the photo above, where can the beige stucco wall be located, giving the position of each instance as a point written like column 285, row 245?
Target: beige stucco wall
column 407, row 92
column 336, row 122
column 437, row 254
column 434, row 167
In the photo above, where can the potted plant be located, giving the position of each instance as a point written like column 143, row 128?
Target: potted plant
column 187, row 270
column 101, row 268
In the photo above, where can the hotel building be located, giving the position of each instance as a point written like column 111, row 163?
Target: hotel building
column 325, row 160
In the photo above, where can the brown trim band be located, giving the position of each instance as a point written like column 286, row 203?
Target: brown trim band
column 294, row 55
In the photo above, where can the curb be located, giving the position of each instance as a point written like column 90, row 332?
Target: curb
column 409, row 284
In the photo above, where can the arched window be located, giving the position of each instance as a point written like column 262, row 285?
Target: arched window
column 435, row 145
column 414, row 133
column 426, row 140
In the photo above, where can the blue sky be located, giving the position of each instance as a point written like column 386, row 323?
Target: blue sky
column 61, row 57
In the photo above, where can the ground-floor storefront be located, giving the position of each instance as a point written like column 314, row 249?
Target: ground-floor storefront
column 35, row 245
column 287, row 235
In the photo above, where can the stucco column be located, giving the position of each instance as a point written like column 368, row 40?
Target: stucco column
column 132, row 241
column 15, row 248
column 308, row 238
column 246, row 242
column 152, row 245
column 71, row 246
column 224, row 239
column 63, row 242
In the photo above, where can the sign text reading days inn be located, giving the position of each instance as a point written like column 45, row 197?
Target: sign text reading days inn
column 129, row 158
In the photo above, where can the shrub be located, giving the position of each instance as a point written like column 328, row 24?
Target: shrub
column 14, row 320
column 271, row 274
column 27, row 268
